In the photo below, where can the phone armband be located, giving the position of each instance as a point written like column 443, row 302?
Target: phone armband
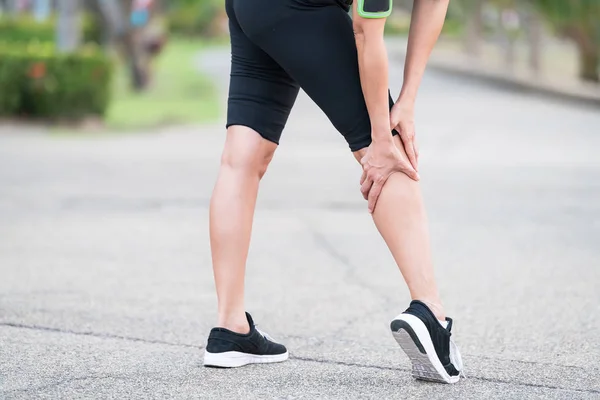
column 374, row 8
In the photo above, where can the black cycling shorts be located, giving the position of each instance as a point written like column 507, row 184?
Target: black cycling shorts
column 279, row 46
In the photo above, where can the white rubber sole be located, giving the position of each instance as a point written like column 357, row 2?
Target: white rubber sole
column 426, row 366
column 233, row 359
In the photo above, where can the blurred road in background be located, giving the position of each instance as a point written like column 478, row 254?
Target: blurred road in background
column 106, row 286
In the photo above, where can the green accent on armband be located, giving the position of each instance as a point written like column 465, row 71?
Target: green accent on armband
column 374, row 8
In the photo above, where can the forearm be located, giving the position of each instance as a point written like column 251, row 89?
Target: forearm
column 373, row 66
column 425, row 27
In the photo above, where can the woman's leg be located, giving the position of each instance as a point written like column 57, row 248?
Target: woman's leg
column 244, row 162
column 318, row 50
column 261, row 95
column 316, row 47
column 401, row 219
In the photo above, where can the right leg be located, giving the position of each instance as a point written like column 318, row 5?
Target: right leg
column 244, row 162
column 261, row 95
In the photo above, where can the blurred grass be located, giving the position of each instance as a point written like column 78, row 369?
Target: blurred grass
column 179, row 92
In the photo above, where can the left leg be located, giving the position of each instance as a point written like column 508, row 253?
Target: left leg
column 401, row 220
column 423, row 331
column 316, row 47
column 324, row 62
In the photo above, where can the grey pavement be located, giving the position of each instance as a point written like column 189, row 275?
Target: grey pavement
column 106, row 285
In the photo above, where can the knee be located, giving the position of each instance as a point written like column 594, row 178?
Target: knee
column 247, row 155
column 243, row 162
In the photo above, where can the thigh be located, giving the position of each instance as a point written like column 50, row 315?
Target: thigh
column 261, row 93
column 316, row 47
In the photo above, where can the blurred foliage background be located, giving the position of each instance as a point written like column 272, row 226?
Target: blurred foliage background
column 539, row 36
column 126, row 64
column 133, row 63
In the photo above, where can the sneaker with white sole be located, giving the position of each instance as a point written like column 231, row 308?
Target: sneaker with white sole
column 228, row 349
column 427, row 343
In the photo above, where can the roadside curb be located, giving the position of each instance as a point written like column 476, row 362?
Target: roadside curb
column 583, row 96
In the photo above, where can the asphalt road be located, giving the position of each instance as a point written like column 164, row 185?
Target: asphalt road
column 106, row 286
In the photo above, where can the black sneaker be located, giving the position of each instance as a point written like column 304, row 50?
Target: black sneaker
column 229, row 349
column 427, row 343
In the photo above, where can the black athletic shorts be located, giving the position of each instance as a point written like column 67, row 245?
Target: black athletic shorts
column 278, row 46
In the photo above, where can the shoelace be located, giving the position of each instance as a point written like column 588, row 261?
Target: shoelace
column 456, row 359
column 264, row 334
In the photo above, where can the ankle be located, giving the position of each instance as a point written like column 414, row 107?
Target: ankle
column 435, row 305
column 234, row 322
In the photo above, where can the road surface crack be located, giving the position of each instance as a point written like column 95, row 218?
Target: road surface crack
column 98, row 335
column 64, row 382
column 471, row 377
column 297, row 358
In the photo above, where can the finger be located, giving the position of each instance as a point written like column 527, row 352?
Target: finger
column 416, row 147
column 363, row 177
column 394, row 120
column 365, row 188
column 410, row 151
column 374, row 195
column 408, row 170
column 363, row 161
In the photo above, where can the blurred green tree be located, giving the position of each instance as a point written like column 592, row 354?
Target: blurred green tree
column 120, row 32
column 195, row 17
column 68, row 28
column 578, row 20
column 470, row 12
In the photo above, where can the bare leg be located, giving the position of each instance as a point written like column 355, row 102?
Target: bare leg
column 244, row 162
column 401, row 219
